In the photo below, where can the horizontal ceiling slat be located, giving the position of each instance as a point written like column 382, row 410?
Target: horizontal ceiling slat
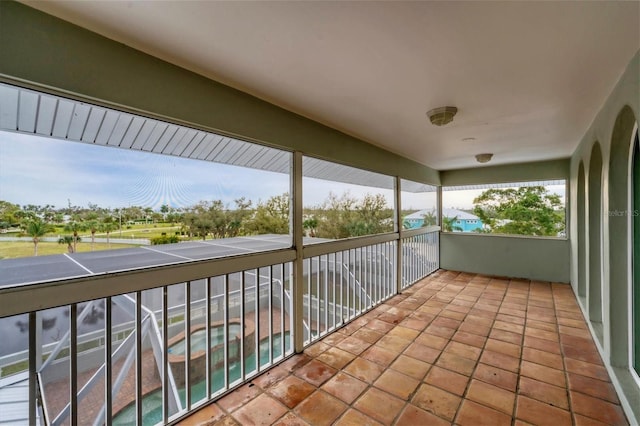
column 211, row 146
column 145, row 133
column 78, row 121
column 225, row 154
column 173, row 141
column 325, row 170
column 191, row 147
column 416, row 187
column 250, row 155
column 202, row 145
column 158, row 131
column 238, row 153
column 132, row 133
column 219, row 147
column 121, row 127
column 265, row 157
column 184, row 142
column 8, row 108
column 46, row 115
column 106, row 128
column 166, row 138
column 94, row 122
column 282, row 163
column 27, row 111
column 63, row 119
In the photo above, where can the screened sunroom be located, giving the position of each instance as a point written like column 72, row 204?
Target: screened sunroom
column 259, row 219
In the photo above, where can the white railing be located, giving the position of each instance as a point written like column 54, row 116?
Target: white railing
column 342, row 285
column 153, row 344
column 420, row 256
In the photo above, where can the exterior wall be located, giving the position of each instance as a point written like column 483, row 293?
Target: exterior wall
column 468, row 225
column 50, row 54
column 533, row 258
column 534, row 171
column 540, row 259
column 600, row 171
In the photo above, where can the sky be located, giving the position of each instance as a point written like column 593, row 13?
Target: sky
column 39, row 170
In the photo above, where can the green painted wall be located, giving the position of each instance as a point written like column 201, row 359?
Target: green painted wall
column 612, row 130
column 540, row 170
column 509, row 256
column 44, row 51
column 545, row 259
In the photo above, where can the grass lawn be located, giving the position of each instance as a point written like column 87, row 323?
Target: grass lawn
column 13, row 249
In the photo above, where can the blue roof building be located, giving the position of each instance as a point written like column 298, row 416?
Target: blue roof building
column 464, row 222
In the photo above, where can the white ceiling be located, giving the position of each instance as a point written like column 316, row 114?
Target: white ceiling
column 527, row 77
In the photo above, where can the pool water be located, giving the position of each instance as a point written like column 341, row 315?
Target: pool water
column 199, row 341
column 152, row 403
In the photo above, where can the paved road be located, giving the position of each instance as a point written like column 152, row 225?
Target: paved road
column 32, row 270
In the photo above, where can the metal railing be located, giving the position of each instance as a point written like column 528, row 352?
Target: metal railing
column 148, row 346
column 420, row 256
column 340, row 286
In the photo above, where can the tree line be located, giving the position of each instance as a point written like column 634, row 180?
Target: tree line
column 524, row 211
column 337, row 217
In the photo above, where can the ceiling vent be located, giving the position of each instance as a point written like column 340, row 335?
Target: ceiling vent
column 441, row 116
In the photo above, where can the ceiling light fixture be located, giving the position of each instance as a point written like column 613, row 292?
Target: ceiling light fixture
column 441, row 116
column 483, row 158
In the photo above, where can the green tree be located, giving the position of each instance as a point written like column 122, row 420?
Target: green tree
column 335, row 216
column 198, row 219
column 75, row 227
column 213, row 217
column 69, row 241
column 529, row 210
column 271, row 217
column 429, row 218
column 107, row 226
column 9, row 214
column 36, row 228
column 237, row 218
column 310, row 224
column 148, row 214
column 345, row 216
column 372, row 216
column 93, row 226
column 449, row 224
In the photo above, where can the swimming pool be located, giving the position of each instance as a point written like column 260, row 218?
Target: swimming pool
column 152, row 402
column 199, row 341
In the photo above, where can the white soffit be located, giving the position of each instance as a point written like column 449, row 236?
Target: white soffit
column 27, row 111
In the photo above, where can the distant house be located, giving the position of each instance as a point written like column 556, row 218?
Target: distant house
column 416, row 220
column 465, row 221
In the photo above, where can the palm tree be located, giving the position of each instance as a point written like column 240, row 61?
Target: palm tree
column 68, row 240
column 310, row 226
column 93, row 226
column 75, row 227
column 107, row 226
column 448, row 224
column 429, row 218
column 36, row 228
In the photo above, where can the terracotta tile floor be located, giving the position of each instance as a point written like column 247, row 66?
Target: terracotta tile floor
column 454, row 348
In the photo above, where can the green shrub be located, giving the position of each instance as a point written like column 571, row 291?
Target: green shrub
column 164, row 240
